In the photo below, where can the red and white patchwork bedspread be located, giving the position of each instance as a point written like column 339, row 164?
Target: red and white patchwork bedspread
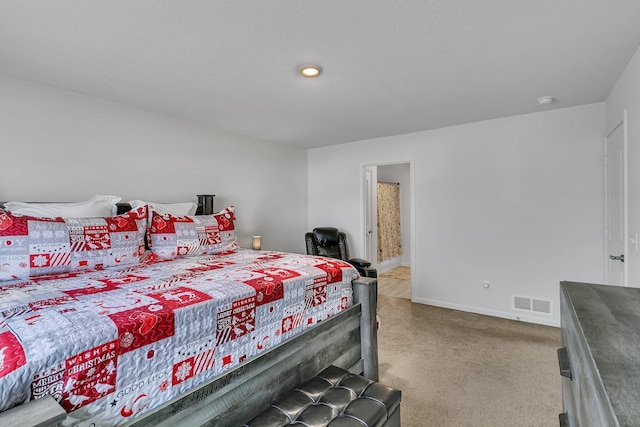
column 109, row 345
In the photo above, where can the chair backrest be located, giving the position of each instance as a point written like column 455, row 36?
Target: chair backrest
column 327, row 241
column 330, row 242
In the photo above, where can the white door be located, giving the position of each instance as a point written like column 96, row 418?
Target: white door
column 616, row 212
column 370, row 214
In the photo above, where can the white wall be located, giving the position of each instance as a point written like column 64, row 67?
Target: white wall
column 515, row 201
column 626, row 95
column 400, row 174
column 58, row 145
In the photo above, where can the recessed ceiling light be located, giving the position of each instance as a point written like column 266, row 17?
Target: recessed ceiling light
column 544, row 100
column 310, row 70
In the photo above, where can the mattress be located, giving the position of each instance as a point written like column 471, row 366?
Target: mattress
column 111, row 344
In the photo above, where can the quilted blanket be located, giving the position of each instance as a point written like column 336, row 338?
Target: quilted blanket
column 111, row 344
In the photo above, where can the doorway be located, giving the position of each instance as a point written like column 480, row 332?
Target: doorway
column 394, row 274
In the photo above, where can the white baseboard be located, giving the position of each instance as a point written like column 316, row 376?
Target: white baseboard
column 503, row 314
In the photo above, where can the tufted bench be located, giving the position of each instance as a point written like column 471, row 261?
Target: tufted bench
column 335, row 398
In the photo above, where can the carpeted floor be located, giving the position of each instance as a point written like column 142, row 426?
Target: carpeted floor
column 463, row 369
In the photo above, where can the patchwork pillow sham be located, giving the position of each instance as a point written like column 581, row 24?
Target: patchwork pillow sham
column 36, row 246
column 97, row 206
column 178, row 236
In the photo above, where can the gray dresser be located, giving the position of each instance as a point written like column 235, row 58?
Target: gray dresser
column 600, row 357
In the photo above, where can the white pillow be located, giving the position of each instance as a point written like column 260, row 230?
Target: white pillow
column 175, row 209
column 97, row 206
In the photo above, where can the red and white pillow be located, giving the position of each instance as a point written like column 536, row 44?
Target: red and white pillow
column 177, row 236
column 35, row 246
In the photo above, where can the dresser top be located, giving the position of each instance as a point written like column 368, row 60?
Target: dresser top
column 609, row 317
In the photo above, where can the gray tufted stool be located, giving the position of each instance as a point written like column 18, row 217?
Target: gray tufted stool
column 335, row 398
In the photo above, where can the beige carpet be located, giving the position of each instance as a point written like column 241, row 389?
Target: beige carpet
column 462, row 369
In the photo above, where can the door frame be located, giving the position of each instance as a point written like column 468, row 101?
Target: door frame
column 371, row 204
column 625, row 195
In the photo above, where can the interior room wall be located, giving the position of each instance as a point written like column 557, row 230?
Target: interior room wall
column 516, row 202
column 400, row 173
column 62, row 146
column 626, row 95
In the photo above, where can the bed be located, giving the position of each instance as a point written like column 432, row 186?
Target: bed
column 190, row 330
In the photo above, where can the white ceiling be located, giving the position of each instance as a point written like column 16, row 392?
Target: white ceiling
column 390, row 67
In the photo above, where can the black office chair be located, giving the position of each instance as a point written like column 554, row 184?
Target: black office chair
column 329, row 242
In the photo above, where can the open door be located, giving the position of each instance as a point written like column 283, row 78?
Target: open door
column 616, row 230
column 370, row 214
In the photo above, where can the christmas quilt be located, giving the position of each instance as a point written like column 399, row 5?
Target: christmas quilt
column 111, row 344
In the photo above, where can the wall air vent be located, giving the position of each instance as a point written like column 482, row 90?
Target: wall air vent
column 522, row 303
column 541, row 306
column 532, row 304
